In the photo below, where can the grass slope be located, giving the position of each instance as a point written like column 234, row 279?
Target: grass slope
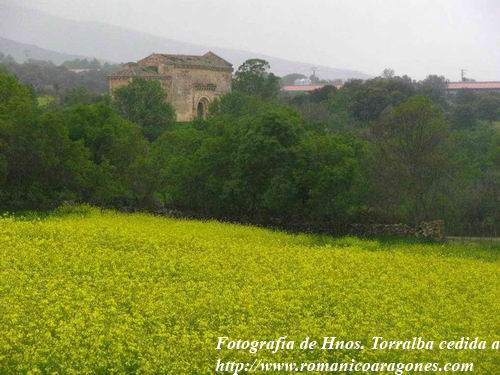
column 108, row 292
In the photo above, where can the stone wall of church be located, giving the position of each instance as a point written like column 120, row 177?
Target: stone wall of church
column 185, row 87
column 116, row 83
column 189, row 86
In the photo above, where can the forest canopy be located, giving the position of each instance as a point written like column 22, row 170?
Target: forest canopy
column 388, row 150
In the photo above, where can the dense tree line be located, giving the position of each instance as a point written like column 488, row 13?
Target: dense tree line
column 432, row 154
column 384, row 150
column 46, row 78
column 91, row 64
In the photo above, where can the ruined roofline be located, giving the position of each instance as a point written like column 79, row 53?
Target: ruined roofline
column 214, row 55
column 134, row 70
column 209, row 61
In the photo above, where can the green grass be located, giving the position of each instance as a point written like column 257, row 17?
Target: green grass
column 102, row 292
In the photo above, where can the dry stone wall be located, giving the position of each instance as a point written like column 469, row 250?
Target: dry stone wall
column 432, row 230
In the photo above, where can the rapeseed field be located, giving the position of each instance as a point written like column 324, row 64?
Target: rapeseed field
column 95, row 291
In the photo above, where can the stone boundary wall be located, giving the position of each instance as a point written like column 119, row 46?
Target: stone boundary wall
column 431, row 230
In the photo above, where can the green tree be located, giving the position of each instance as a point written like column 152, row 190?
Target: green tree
column 180, row 181
column 476, row 188
column 264, row 161
column 330, row 178
column 488, row 108
column 81, row 95
column 143, row 102
column 117, row 150
column 435, row 88
column 253, row 78
column 238, row 165
column 368, row 99
column 411, row 163
column 40, row 165
column 463, row 116
column 388, row 73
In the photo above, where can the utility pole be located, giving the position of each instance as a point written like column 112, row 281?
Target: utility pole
column 462, row 72
column 313, row 77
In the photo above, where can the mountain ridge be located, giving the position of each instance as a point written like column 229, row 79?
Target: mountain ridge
column 119, row 44
column 21, row 52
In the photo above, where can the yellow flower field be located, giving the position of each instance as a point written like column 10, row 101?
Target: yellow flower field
column 103, row 292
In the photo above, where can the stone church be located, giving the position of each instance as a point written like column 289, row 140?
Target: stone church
column 190, row 83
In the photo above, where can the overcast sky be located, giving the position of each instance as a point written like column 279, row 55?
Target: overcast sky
column 414, row 37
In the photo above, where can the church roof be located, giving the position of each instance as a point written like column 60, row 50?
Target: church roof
column 208, row 60
column 131, row 70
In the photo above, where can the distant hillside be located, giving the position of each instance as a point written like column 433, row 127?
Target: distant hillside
column 22, row 52
column 117, row 44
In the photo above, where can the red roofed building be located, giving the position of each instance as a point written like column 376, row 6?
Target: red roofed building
column 493, row 86
column 305, row 88
column 475, row 86
column 301, row 88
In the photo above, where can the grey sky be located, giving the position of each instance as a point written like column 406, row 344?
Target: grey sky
column 414, row 37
